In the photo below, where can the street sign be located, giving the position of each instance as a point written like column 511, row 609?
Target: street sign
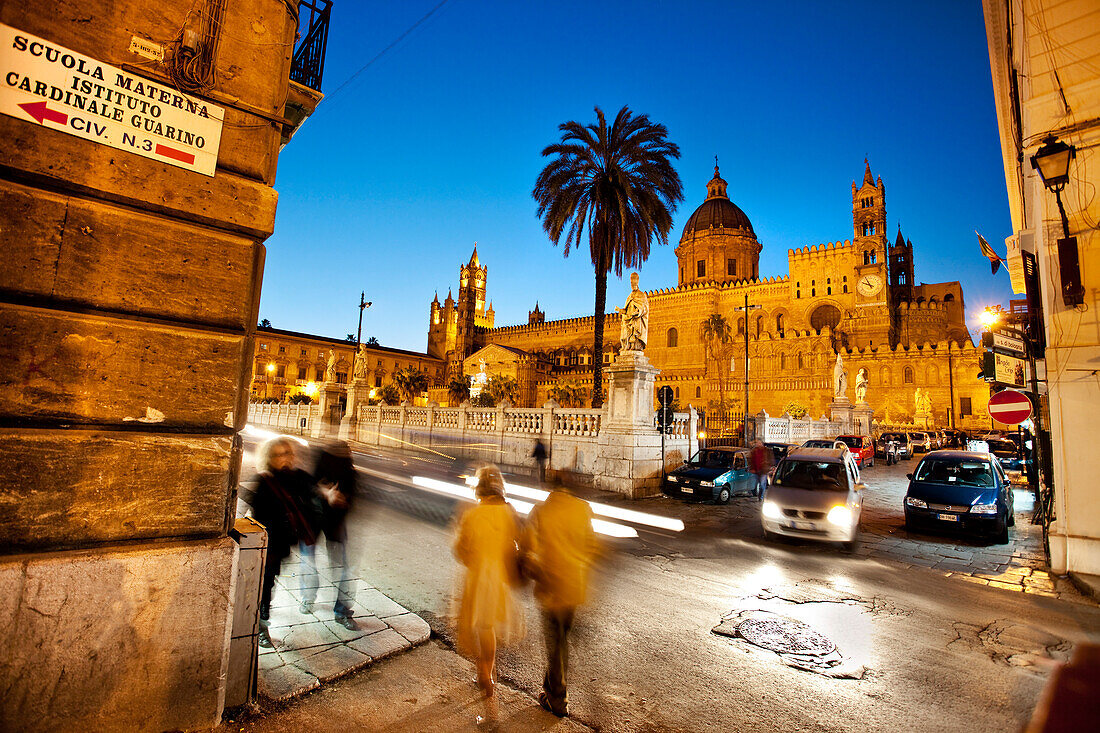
column 52, row 86
column 1003, row 342
column 1009, row 370
column 1009, row 407
column 664, row 416
column 664, row 396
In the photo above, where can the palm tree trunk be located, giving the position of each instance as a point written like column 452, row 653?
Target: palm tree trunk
column 597, row 346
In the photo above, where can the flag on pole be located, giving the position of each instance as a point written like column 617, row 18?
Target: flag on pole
column 994, row 259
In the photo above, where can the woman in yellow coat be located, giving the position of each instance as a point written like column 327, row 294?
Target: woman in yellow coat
column 487, row 544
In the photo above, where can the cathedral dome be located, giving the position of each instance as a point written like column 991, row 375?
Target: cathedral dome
column 717, row 211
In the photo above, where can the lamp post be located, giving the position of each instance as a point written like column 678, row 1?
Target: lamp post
column 1052, row 162
column 363, row 305
column 745, row 420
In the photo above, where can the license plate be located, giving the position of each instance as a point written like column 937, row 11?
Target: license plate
column 801, row 525
column 949, row 517
column 687, row 490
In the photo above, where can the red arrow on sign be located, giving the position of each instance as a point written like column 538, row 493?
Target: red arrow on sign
column 1009, row 407
column 39, row 111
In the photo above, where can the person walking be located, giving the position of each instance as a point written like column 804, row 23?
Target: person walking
column 279, row 501
column 335, row 490
column 539, row 454
column 760, row 463
column 487, row 544
column 560, row 547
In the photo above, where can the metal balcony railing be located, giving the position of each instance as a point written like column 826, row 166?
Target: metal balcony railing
column 308, row 64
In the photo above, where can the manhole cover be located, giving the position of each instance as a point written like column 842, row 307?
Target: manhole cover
column 785, row 636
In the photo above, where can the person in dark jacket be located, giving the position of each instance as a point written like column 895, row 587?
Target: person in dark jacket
column 335, row 491
column 279, row 501
column 761, row 461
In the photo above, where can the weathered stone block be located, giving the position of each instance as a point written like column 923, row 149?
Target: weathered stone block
column 98, row 255
column 71, row 489
column 131, row 639
column 90, row 369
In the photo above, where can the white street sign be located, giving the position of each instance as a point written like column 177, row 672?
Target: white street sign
column 1008, row 343
column 49, row 85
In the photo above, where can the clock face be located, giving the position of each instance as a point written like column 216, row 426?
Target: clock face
column 869, row 285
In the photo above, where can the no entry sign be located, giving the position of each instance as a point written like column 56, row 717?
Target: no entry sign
column 1009, row 407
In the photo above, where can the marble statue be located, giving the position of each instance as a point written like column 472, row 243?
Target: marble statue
column 634, row 332
column 840, row 380
column 361, row 363
column 923, row 402
column 861, row 386
column 330, row 368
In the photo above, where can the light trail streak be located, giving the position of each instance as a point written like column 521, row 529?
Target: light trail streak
column 254, row 432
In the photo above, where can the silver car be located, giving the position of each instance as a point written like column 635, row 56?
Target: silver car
column 921, row 443
column 816, row 494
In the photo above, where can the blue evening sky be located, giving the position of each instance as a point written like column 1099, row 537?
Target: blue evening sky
column 438, row 144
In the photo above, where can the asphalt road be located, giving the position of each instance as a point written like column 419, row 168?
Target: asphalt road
column 936, row 653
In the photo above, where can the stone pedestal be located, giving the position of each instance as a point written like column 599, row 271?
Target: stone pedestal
column 861, row 418
column 328, row 396
column 629, row 459
column 841, row 411
column 923, row 420
column 357, row 395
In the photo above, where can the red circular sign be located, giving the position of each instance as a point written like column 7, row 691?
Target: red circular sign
column 1009, row 407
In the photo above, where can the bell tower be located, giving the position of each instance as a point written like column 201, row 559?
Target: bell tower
column 871, row 323
column 470, row 312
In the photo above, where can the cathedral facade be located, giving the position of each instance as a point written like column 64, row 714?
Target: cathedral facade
column 857, row 297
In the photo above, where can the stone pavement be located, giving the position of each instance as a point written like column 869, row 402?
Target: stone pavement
column 312, row 648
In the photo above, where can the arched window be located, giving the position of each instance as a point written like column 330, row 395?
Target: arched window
column 698, row 392
column 801, row 364
column 782, row 361
column 672, row 338
column 779, row 325
column 740, row 326
column 949, row 298
column 759, row 326
column 677, row 393
column 885, row 374
column 908, row 375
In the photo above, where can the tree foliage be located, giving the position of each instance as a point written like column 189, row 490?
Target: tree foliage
column 716, row 335
column 458, row 391
column 410, row 382
column 569, row 394
column 389, row 394
column 617, row 182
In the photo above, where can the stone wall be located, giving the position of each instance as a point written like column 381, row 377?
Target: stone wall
column 128, row 302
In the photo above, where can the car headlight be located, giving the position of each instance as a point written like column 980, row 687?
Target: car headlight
column 673, row 479
column 706, row 483
column 914, row 502
column 771, row 510
column 840, row 516
column 983, row 509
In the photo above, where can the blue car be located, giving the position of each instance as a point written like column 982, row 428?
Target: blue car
column 965, row 491
column 712, row 474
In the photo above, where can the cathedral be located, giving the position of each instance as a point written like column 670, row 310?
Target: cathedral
column 856, row 297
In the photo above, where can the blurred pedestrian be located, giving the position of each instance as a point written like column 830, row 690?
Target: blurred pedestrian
column 279, row 501
column 559, row 549
column 487, row 544
column 760, row 463
column 335, row 490
column 539, row 454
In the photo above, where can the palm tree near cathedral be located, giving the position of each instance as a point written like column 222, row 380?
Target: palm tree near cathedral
column 617, row 182
column 458, row 391
column 411, row 382
column 716, row 334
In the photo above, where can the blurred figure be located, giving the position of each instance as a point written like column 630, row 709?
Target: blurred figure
column 560, row 547
column 487, row 544
column 760, row 463
column 279, row 501
column 539, row 454
column 334, row 493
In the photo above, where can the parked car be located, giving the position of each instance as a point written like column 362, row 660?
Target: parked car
column 816, row 494
column 961, row 490
column 920, row 442
column 712, row 474
column 903, row 446
column 824, row 443
column 1011, row 457
column 862, row 448
column 779, row 452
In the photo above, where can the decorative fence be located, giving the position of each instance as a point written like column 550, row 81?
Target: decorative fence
column 285, row 417
column 786, row 429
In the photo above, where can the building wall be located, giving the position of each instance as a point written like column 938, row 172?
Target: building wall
column 127, row 307
column 289, row 352
column 1045, row 61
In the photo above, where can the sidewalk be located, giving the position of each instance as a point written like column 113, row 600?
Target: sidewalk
column 430, row 688
column 310, row 649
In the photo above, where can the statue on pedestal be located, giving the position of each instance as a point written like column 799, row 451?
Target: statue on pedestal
column 361, row 363
column 634, row 332
column 861, row 386
column 922, row 402
column 330, row 368
column 840, row 380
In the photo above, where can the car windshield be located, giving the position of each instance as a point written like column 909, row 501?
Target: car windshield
column 851, row 441
column 711, row 459
column 1002, row 447
column 812, row 475
column 916, row 436
column 955, row 472
column 818, row 444
column 897, row 437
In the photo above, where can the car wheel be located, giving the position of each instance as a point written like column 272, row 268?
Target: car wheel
column 1001, row 537
column 723, row 496
column 1011, row 518
column 872, row 461
column 849, row 546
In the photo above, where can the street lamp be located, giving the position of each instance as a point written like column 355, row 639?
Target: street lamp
column 363, row 305
column 989, row 318
column 1052, row 162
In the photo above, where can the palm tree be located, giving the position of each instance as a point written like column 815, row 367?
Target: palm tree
column 458, row 391
column 716, row 330
column 619, row 182
column 411, row 382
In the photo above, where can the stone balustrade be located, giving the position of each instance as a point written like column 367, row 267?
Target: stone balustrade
column 280, row 416
column 787, row 429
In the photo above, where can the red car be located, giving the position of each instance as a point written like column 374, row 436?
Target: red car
column 861, row 447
